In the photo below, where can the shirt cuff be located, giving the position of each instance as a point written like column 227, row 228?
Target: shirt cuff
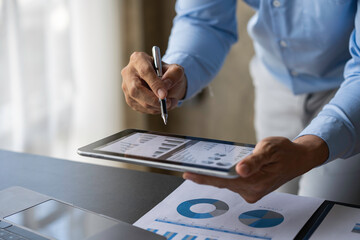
column 333, row 132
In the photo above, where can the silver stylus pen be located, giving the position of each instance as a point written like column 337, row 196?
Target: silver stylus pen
column 158, row 67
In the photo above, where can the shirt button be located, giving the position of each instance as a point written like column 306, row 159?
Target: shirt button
column 283, row 43
column 276, row 3
column 294, row 73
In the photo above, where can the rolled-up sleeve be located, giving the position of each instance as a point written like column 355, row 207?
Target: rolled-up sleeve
column 338, row 124
column 202, row 34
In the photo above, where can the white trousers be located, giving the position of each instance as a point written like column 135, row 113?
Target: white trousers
column 278, row 112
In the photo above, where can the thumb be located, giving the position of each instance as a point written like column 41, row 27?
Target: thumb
column 250, row 165
column 173, row 74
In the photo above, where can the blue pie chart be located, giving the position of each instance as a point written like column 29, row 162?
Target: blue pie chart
column 261, row 218
column 220, row 208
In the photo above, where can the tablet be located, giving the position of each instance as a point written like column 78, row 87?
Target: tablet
column 172, row 152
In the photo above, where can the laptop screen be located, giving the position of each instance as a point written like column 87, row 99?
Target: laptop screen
column 61, row 221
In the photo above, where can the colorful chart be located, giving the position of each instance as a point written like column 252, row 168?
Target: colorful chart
column 170, row 235
column 189, row 237
column 356, row 228
column 220, row 208
column 261, row 218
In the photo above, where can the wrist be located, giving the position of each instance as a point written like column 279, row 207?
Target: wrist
column 315, row 149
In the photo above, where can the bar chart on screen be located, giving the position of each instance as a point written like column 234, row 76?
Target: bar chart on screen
column 145, row 144
column 167, row 145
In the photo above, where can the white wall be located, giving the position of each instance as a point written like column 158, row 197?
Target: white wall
column 59, row 74
column 97, row 52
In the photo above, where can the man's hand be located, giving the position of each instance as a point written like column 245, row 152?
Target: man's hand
column 274, row 161
column 143, row 88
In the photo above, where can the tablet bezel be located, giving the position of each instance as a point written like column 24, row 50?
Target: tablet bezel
column 91, row 150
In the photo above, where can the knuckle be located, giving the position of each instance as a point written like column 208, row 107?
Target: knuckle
column 178, row 68
column 267, row 142
column 137, row 83
column 284, row 141
column 269, row 146
column 128, row 101
column 124, row 71
column 133, row 91
column 144, row 70
column 135, row 55
column 123, row 86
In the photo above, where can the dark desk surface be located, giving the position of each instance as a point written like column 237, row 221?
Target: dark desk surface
column 119, row 193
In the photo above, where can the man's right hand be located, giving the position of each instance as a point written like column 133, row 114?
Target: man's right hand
column 143, row 88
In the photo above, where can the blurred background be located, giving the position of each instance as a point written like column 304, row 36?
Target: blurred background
column 60, row 81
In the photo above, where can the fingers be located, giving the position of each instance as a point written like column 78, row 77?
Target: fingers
column 137, row 107
column 251, row 190
column 250, row 165
column 274, row 161
column 175, row 81
column 138, row 96
column 139, row 92
column 207, row 180
column 173, row 74
column 137, row 76
column 172, row 103
column 266, row 152
column 142, row 87
column 143, row 65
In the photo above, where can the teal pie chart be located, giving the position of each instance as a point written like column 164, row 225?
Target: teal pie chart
column 220, row 208
column 261, row 218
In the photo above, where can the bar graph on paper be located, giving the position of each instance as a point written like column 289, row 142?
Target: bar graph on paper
column 171, row 235
column 235, row 233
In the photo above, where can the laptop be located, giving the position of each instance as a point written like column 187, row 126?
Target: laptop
column 28, row 215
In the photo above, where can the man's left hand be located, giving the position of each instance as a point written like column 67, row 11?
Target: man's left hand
column 274, row 161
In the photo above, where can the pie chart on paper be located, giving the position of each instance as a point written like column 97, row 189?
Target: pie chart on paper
column 261, row 218
column 220, row 208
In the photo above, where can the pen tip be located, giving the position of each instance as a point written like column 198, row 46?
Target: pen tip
column 164, row 117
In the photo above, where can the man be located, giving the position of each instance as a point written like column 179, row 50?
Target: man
column 302, row 70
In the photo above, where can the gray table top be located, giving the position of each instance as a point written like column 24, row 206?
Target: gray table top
column 119, row 193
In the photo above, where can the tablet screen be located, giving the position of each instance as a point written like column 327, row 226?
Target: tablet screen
column 187, row 151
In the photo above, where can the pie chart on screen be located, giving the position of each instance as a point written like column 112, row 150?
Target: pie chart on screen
column 261, row 218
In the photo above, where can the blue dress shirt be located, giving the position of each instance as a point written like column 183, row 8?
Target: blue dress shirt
column 303, row 43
